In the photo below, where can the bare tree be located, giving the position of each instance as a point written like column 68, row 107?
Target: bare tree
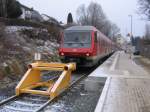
column 83, row 18
column 146, row 38
column 95, row 16
column 144, row 7
column 147, row 31
column 114, row 30
column 92, row 15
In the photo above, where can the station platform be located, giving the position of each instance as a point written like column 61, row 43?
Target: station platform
column 127, row 85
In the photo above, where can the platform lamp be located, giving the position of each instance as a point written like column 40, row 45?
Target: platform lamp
column 131, row 33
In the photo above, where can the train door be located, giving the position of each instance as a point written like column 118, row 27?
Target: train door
column 96, row 42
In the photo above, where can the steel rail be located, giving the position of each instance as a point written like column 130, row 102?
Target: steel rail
column 6, row 101
column 51, row 100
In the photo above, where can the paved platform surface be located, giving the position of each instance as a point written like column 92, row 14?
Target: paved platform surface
column 127, row 87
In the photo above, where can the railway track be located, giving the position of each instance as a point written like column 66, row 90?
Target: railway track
column 37, row 103
column 31, row 103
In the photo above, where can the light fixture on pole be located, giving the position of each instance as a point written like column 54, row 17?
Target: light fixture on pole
column 131, row 24
column 131, row 33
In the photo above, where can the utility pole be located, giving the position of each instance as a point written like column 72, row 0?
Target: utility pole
column 131, row 33
column 131, row 24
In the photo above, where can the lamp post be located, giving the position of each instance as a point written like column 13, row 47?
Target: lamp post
column 131, row 35
column 131, row 23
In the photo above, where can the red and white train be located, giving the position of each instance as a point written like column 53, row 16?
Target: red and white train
column 84, row 45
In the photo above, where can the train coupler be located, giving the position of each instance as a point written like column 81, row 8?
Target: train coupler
column 33, row 79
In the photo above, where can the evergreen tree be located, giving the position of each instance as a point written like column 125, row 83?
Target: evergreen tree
column 69, row 19
column 13, row 9
column 3, row 8
column 10, row 8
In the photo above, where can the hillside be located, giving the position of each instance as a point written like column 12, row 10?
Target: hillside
column 17, row 47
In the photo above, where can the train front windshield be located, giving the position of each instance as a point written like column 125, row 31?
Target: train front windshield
column 77, row 40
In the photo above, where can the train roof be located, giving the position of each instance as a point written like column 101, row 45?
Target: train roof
column 86, row 28
column 81, row 28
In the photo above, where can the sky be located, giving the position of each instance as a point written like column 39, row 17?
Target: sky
column 117, row 11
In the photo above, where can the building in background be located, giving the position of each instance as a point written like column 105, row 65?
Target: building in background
column 30, row 14
column 50, row 19
column 120, row 39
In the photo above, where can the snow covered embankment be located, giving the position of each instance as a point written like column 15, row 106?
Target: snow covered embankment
column 17, row 48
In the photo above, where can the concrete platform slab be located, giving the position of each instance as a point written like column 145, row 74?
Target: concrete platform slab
column 127, row 95
column 127, row 85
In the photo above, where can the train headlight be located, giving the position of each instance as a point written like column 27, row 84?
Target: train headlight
column 87, row 54
column 62, row 54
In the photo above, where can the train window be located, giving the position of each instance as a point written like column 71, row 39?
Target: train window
column 77, row 40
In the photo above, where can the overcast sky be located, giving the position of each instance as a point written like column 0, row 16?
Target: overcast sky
column 116, row 10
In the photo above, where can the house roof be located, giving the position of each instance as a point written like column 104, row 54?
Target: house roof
column 25, row 7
